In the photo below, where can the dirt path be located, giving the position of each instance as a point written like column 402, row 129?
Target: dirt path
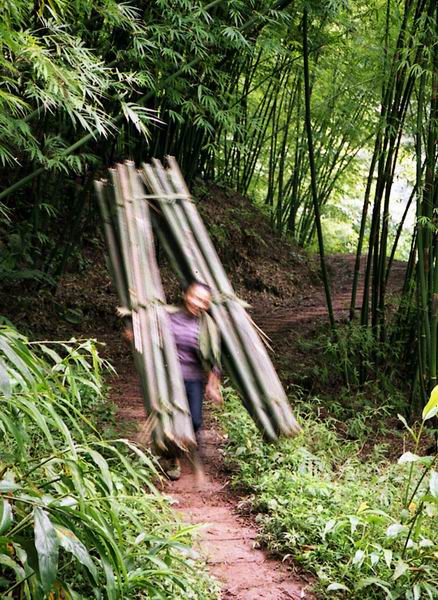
column 227, row 542
column 278, row 320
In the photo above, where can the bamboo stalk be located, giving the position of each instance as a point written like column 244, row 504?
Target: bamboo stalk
column 132, row 257
column 246, row 358
column 258, row 359
column 165, row 348
column 198, row 269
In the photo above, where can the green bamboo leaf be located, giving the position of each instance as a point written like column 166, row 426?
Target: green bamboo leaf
column 47, row 547
column 6, row 516
column 111, row 587
column 15, row 360
column 62, row 428
column 50, row 352
column 103, row 466
column 335, row 586
column 68, row 540
column 11, row 425
column 5, row 383
column 29, row 407
column 431, row 408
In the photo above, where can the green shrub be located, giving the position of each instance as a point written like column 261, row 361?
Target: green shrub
column 366, row 529
column 80, row 516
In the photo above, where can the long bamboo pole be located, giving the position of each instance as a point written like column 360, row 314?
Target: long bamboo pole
column 199, row 270
column 325, row 277
column 165, row 348
column 265, row 398
column 141, row 290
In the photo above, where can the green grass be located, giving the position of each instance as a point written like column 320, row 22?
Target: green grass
column 345, row 519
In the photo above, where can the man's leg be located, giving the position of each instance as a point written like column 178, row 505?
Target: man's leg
column 195, row 397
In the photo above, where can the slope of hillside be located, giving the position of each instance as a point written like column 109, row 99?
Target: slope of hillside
column 266, row 271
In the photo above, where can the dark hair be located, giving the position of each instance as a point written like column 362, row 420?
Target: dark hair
column 199, row 284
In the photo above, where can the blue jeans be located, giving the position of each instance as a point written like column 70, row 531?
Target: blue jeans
column 195, row 395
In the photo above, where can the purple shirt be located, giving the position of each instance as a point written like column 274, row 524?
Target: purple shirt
column 185, row 329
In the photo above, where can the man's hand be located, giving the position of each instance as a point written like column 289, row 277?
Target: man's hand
column 213, row 389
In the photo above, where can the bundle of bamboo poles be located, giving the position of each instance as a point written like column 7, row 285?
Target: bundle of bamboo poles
column 131, row 253
column 192, row 254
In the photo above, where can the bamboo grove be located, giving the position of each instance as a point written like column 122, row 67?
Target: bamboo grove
column 291, row 102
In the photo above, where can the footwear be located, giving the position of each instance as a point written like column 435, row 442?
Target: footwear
column 174, row 470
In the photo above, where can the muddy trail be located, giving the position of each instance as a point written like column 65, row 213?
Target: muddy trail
column 226, row 541
column 312, row 307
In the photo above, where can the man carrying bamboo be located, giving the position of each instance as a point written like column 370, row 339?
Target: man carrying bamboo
column 198, row 347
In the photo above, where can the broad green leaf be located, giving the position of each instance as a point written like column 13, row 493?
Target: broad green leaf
column 431, row 407
column 354, row 522
column 47, row 546
column 6, row 516
column 358, row 557
column 329, row 526
column 408, row 457
column 395, row 529
column 388, row 556
column 431, row 509
column 333, row 587
column 8, row 486
column 400, row 568
column 433, row 484
column 416, row 590
column 7, row 561
column 68, row 540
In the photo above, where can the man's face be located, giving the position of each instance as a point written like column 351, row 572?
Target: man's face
column 197, row 299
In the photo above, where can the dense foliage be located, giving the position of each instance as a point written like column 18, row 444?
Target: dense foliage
column 80, row 516
column 367, row 528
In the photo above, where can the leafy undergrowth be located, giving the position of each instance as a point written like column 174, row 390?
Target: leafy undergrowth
column 80, row 516
column 366, row 529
